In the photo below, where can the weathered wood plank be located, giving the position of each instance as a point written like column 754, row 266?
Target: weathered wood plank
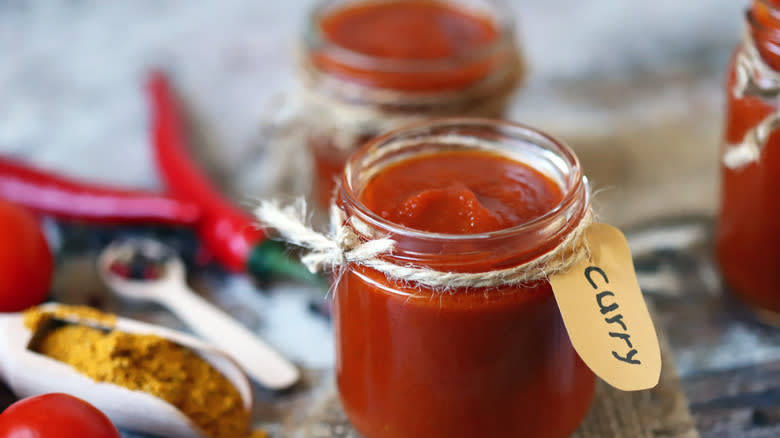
column 743, row 402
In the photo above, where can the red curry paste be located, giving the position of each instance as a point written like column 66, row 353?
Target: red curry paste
column 417, row 363
column 408, row 30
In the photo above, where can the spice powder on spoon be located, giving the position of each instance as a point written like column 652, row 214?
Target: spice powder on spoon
column 149, row 363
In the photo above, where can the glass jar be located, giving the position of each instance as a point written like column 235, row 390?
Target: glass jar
column 415, row 362
column 369, row 67
column 748, row 234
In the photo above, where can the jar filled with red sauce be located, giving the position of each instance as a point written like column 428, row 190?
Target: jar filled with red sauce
column 748, row 232
column 413, row 361
column 373, row 65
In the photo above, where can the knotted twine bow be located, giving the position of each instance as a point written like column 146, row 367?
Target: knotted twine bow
column 348, row 242
column 754, row 78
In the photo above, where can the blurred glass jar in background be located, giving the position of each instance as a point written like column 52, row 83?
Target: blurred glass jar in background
column 371, row 66
column 748, row 234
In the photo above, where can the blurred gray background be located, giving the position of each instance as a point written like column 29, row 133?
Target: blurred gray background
column 634, row 87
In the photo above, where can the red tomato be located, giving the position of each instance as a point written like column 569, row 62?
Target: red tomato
column 26, row 263
column 55, row 416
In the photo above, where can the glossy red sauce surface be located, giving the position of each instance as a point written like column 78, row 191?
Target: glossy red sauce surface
column 408, row 30
column 461, row 192
column 417, row 363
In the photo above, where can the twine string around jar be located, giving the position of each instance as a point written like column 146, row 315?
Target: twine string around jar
column 345, row 244
column 346, row 111
column 753, row 78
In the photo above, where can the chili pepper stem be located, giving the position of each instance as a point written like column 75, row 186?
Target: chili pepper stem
column 270, row 259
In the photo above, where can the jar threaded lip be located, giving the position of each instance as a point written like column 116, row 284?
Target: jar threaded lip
column 315, row 41
column 766, row 26
column 507, row 138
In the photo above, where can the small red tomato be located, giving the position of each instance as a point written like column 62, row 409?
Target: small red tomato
column 55, row 416
column 26, row 263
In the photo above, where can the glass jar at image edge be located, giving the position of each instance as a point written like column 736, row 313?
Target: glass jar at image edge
column 370, row 66
column 413, row 362
column 748, row 233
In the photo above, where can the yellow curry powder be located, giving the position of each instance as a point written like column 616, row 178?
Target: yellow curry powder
column 148, row 363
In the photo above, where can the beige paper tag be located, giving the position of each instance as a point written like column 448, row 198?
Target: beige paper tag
column 606, row 315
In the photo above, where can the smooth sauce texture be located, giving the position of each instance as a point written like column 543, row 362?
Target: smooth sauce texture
column 460, row 192
column 408, row 30
column 417, row 363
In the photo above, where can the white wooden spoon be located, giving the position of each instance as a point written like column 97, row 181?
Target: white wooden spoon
column 28, row 373
column 169, row 288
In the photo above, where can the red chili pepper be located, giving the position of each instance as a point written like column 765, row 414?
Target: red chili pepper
column 226, row 230
column 65, row 198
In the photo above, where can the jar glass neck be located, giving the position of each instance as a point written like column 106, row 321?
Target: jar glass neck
column 763, row 24
column 469, row 252
column 329, row 57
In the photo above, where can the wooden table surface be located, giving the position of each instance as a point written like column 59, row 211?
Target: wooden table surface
column 633, row 87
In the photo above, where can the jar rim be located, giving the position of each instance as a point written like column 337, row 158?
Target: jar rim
column 576, row 192
column 315, row 40
column 756, row 25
